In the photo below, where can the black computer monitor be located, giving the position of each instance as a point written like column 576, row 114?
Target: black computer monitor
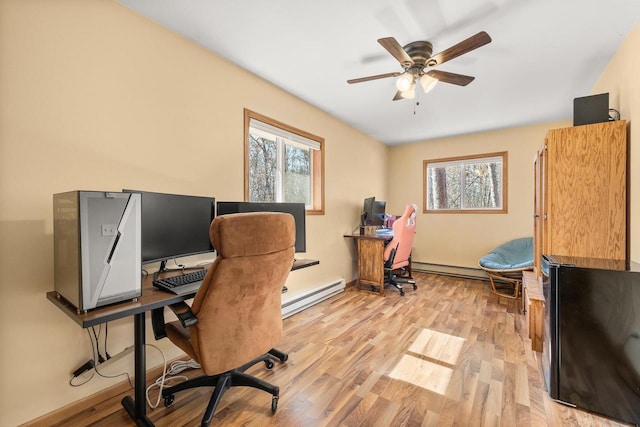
column 373, row 211
column 295, row 209
column 174, row 226
column 379, row 211
column 367, row 211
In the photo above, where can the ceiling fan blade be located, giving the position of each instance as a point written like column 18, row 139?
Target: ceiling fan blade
column 376, row 77
column 461, row 48
column 407, row 94
column 394, row 48
column 453, row 78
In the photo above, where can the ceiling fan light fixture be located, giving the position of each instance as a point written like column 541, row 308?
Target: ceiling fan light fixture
column 428, row 83
column 409, row 93
column 404, row 82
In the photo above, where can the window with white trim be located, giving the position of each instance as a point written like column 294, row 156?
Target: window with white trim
column 474, row 184
column 282, row 163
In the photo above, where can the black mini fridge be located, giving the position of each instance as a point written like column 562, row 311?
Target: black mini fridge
column 591, row 352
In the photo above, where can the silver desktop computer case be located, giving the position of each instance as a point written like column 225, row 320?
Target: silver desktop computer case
column 96, row 247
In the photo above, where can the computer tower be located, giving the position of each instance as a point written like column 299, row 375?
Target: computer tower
column 96, row 238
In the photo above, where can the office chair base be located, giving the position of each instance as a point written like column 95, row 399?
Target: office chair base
column 391, row 281
column 233, row 378
column 395, row 280
column 408, row 281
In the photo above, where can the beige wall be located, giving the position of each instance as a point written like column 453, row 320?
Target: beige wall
column 620, row 79
column 95, row 97
column 461, row 239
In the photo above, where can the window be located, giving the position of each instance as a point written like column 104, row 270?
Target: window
column 282, row 163
column 473, row 184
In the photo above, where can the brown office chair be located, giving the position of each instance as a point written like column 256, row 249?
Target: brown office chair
column 397, row 253
column 236, row 319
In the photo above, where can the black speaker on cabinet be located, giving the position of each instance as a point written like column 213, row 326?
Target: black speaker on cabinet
column 591, row 109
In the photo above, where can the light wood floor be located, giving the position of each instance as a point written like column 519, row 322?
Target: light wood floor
column 449, row 354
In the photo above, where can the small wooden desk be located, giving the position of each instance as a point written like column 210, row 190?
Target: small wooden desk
column 151, row 299
column 370, row 251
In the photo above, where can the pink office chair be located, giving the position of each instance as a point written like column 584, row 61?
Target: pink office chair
column 397, row 254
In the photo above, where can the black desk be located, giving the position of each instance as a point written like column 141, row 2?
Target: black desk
column 303, row 263
column 151, row 298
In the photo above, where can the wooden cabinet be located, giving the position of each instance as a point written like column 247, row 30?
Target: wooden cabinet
column 580, row 202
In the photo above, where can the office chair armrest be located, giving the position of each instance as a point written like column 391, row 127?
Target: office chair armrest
column 184, row 314
column 157, row 323
column 388, row 263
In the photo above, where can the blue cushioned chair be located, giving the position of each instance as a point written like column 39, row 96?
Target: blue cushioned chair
column 507, row 262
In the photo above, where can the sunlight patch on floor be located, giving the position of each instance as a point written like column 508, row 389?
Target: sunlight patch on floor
column 422, row 373
column 438, row 346
column 426, row 366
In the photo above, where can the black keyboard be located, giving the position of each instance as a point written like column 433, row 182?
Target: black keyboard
column 184, row 283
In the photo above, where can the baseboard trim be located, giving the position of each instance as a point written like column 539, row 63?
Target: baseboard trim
column 449, row 270
column 293, row 305
column 59, row 415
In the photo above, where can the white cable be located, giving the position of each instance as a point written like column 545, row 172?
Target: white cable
column 168, row 375
column 161, row 380
column 178, row 366
column 123, row 374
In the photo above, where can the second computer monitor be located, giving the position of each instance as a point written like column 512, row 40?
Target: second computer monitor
column 379, row 210
column 373, row 211
column 295, row 209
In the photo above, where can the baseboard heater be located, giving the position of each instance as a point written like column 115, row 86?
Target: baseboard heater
column 305, row 300
column 449, row 270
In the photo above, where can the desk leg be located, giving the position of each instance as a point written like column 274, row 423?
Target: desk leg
column 137, row 409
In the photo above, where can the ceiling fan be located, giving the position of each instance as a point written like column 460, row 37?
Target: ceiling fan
column 416, row 57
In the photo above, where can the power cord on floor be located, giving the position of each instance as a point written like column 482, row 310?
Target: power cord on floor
column 168, row 375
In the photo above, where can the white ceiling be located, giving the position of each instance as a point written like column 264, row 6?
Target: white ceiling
column 544, row 53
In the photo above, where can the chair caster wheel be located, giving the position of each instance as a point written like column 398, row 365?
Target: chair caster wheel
column 415, row 287
column 401, row 293
column 274, row 404
column 168, row 400
column 268, row 364
column 282, row 357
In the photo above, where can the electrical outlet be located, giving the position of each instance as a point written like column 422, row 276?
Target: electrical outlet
column 109, row 229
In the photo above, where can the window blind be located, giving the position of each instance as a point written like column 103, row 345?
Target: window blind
column 259, row 126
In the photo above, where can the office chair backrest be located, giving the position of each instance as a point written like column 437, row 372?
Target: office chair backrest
column 403, row 230
column 238, row 305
